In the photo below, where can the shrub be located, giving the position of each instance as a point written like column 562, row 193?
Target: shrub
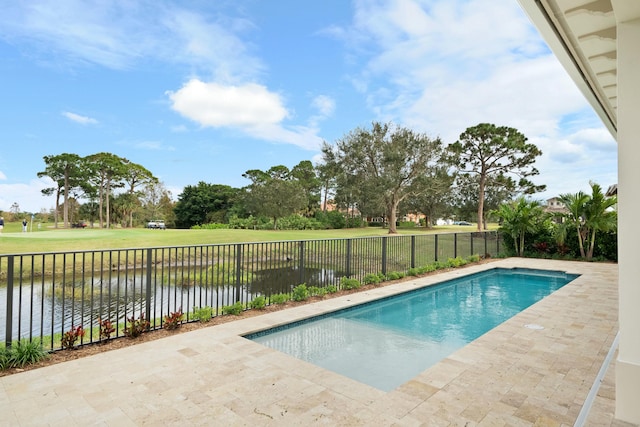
column 413, row 271
column 395, row 275
column 280, row 298
column 300, row 293
column 347, row 283
column 70, row 337
column 202, row 314
column 25, row 352
column 332, row 289
column 456, row 262
column 136, row 327
column 473, row 258
column 371, row 279
column 172, row 320
column 299, row 222
column 210, row 226
column 258, row 303
column 106, row 328
column 356, row 223
column 234, row 309
column 439, row 265
column 5, row 358
column 428, row 268
column 406, row 224
column 316, row 291
column 336, row 219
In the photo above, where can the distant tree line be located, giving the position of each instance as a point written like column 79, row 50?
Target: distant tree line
column 385, row 171
column 116, row 190
column 382, row 172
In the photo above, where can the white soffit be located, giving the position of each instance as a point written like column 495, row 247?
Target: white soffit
column 582, row 35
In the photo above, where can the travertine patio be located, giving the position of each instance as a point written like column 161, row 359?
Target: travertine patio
column 511, row 376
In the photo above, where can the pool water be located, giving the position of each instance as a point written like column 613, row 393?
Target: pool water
column 386, row 342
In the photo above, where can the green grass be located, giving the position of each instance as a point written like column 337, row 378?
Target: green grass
column 13, row 241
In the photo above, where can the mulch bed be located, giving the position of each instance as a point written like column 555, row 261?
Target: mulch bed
column 61, row 356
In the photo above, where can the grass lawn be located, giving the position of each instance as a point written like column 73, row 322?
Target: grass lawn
column 13, row 240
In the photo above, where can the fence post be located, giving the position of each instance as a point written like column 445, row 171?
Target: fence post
column 238, row 271
column 9, row 321
column 413, row 251
column 497, row 243
column 301, row 261
column 455, row 245
column 485, row 245
column 148, row 290
column 348, row 266
column 471, row 245
column 435, row 256
column 384, row 255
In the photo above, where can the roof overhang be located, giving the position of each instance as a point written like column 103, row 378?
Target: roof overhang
column 583, row 36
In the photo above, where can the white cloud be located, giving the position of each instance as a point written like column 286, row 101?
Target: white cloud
column 208, row 43
column 444, row 65
column 2, row 176
column 324, row 104
column 154, row 146
column 27, row 195
column 596, row 139
column 250, row 108
column 179, row 128
column 215, row 105
column 83, row 120
column 117, row 35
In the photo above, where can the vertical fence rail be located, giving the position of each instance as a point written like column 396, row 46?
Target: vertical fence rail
column 45, row 294
column 9, row 302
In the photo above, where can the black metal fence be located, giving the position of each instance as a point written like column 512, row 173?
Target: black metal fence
column 47, row 294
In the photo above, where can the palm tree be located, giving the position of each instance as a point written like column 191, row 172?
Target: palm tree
column 590, row 214
column 519, row 218
column 575, row 204
column 598, row 215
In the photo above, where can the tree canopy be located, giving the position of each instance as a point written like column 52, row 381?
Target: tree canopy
column 68, row 173
column 276, row 193
column 382, row 166
column 590, row 214
column 203, row 203
column 495, row 154
column 95, row 176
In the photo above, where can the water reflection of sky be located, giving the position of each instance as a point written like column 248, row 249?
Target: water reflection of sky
column 388, row 342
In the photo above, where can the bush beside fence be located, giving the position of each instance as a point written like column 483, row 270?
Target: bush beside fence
column 48, row 294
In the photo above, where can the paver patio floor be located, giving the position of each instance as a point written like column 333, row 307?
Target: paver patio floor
column 511, row 376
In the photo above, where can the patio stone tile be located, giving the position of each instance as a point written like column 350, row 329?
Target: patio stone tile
column 511, row 376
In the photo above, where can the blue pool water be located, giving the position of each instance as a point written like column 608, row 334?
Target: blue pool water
column 387, row 342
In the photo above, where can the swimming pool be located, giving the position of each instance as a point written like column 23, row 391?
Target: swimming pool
column 386, row 342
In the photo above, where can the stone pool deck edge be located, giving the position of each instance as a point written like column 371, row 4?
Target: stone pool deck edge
column 510, row 376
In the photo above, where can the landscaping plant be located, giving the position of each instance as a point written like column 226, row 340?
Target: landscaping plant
column 234, row 309
column 22, row 353
column 258, row 303
column 202, row 314
column 70, row 337
column 106, row 328
column 349, row 283
column 136, row 327
column 279, row 298
column 173, row 320
column 300, row 293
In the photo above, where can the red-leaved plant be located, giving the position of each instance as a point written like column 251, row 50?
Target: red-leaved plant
column 106, row 328
column 70, row 337
column 173, row 320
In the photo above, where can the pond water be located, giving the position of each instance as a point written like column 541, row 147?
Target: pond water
column 45, row 308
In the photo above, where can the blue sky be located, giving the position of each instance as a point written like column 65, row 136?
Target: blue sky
column 206, row 90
